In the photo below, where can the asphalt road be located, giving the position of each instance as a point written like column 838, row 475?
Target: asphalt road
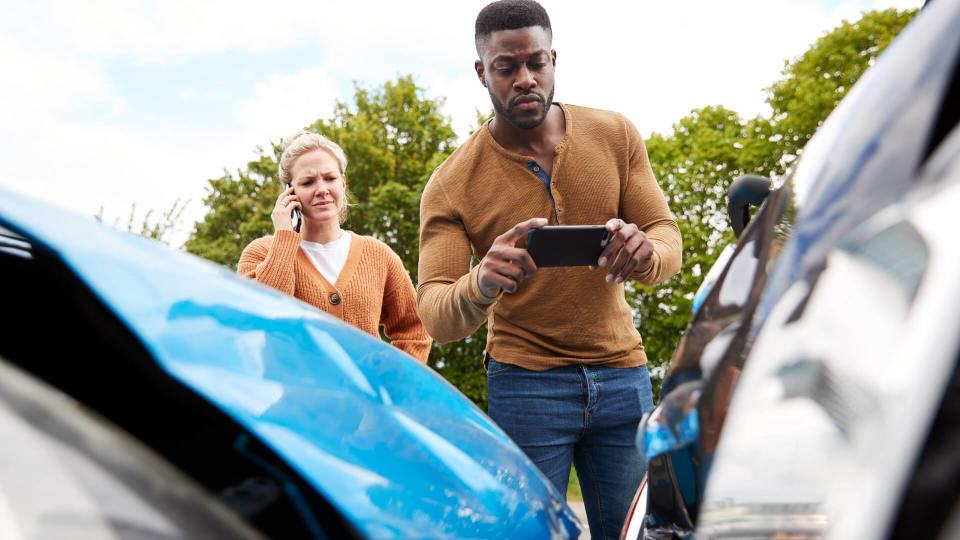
column 577, row 507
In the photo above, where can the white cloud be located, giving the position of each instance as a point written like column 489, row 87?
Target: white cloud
column 655, row 62
column 463, row 95
column 651, row 61
column 157, row 31
column 284, row 104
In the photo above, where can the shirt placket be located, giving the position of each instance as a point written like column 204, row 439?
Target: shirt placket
column 538, row 171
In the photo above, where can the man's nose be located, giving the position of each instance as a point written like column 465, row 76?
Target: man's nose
column 525, row 80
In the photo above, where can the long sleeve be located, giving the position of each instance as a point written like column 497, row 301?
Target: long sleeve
column 449, row 300
column 644, row 204
column 399, row 314
column 271, row 260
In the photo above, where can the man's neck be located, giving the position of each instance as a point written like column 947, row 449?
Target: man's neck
column 531, row 141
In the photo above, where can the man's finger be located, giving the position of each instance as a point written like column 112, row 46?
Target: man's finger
column 616, row 266
column 609, row 252
column 615, row 224
column 504, row 277
column 625, row 255
column 520, row 230
column 635, row 254
column 520, row 257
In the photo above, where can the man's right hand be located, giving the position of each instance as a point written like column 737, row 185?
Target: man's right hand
column 506, row 265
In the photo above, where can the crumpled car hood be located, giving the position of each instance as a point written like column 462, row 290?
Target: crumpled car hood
column 398, row 450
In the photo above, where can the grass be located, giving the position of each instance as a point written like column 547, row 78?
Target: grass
column 573, row 487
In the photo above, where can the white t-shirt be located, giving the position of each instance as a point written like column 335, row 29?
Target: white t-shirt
column 329, row 258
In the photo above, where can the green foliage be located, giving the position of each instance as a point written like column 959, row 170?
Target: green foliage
column 394, row 137
column 461, row 363
column 815, row 82
column 573, row 486
column 694, row 167
column 239, row 213
column 156, row 229
column 712, row 146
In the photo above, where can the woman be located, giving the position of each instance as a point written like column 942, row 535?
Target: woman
column 356, row 278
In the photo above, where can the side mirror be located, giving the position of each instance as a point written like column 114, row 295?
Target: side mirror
column 745, row 191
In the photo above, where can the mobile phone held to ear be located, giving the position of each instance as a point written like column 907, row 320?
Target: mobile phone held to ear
column 567, row 245
column 296, row 219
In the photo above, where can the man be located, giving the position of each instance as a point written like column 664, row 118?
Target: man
column 566, row 375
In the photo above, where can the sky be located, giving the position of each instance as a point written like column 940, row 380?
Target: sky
column 114, row 103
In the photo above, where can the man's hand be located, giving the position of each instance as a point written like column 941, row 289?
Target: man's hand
column 505, row 265
column 629, row 251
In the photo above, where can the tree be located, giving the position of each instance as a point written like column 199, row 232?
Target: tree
column 157, row 229
column 712, row 146
column 394, row 137
column 694, row 166
column 815, row 82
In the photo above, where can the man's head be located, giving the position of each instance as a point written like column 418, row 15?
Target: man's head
column 516, row 65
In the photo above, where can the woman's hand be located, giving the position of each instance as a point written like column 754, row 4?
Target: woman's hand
column 286, row 202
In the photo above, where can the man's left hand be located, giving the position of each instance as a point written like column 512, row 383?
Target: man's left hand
column 629, row 251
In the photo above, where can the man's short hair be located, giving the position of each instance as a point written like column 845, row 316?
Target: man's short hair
column 510, row 15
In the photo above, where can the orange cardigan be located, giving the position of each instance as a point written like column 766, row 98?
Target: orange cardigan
column 373, row 288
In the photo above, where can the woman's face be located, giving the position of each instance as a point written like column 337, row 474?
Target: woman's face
column 319, row 185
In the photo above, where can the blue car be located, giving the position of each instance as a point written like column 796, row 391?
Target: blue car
column 146, row 393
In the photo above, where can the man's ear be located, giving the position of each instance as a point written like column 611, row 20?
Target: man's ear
column 553, row 55
column 478, row 66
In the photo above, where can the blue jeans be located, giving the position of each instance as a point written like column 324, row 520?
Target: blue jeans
column 587, row 415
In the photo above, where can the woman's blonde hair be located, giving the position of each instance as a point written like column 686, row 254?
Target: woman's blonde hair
column 303, row 142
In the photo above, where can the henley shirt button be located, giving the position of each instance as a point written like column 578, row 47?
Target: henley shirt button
column 536, row 169
column 334, row 298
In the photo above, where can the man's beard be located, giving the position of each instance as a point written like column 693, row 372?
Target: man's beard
column 504, row 112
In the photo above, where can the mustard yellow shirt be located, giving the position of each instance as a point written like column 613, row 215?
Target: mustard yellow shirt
column 559, row 316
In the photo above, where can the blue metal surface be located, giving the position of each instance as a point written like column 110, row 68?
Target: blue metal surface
column 398, row 450
column 674, row 424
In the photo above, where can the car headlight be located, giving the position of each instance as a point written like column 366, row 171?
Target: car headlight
column 673, row 424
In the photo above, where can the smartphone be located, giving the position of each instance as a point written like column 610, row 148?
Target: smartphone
column 567, row 245
column 296, row 219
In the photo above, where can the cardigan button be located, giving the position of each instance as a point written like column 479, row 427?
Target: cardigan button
column 334, row 298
